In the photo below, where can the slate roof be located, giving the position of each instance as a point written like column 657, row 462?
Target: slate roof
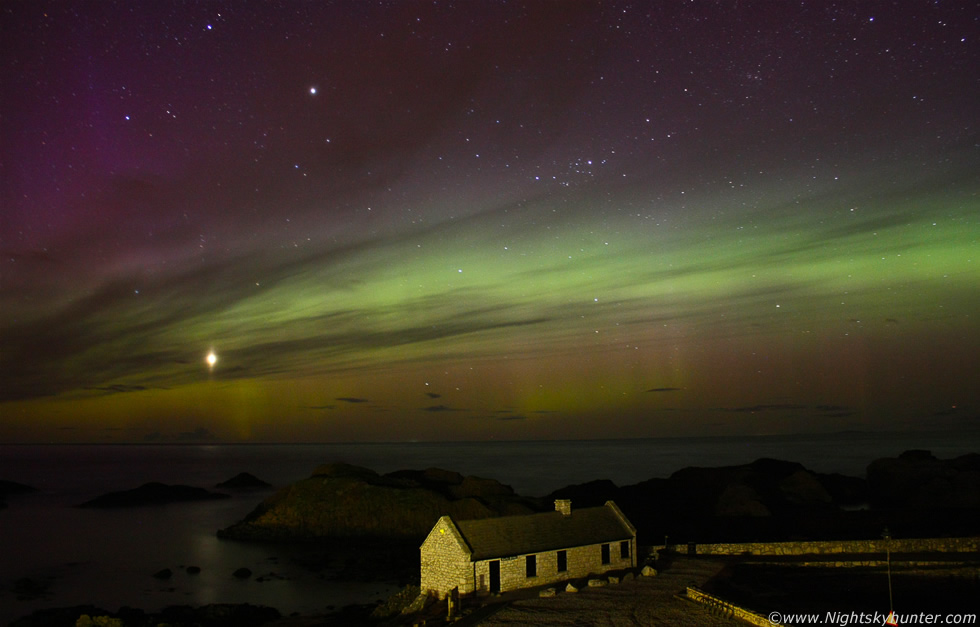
column 537, row 533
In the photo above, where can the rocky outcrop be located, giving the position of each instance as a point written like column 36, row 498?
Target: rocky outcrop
column 845, row 491
column 214, row 615
column 341, row 501
column 918, row 480
column 767, row 499
column 738, row 499
column 748, row 490
column 803, row 488
column 153, row 494
column 9, row 488
column 243, row 481
column 12, row 488
column 779, row 500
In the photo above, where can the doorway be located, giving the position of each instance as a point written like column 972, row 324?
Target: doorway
column 495, row 577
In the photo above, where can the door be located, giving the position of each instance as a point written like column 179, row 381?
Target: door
column 495, row 577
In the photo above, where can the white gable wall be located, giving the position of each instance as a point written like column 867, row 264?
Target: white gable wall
column 445, row 561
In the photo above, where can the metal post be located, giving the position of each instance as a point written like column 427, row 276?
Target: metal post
column 888, row 562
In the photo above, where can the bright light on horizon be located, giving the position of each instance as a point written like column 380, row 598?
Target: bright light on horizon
column 212, row 359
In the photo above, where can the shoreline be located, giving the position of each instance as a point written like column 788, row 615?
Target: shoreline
column 791, row 499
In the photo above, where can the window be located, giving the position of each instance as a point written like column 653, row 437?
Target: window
column 624, row 549
column 605, row 553
column 562, row 561
column 532, row 566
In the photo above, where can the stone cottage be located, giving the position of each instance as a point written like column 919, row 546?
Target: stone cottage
column 499, row 554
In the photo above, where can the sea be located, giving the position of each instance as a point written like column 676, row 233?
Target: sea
column 107, row 558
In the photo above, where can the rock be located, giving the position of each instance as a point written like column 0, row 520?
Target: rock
column 740, row 500
column 918, row 480
column 547, row 592
column 10, row 488
column 436, row 479
column 58, row 616
column 648, row 571
column 454, row 487
column 152, row 494
column 98, row 621
column 966, row 463
column 802, row 488
column 399, row 603
column 766, row 499
column 843, row 490
column 476, row 487
column 628, row 577
column 243, row 481
column 590, row 494
column 571, row 588
column 347, row 471
column 242, row 573
column 166, row 573
column 597, row 583
column 420, row 603
column 217, row 615
column 613, row 580
column 346, row 502
column 26, row 589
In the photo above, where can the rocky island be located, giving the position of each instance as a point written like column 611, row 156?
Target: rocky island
column 152, row 493
column 244, row 481
column 367, row 519
column 915, row 494
column 12, row 488
column 341, row 502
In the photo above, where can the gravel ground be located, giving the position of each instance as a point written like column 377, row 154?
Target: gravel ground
column 642, row 601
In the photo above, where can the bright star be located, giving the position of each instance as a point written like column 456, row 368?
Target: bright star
column 211, row 359
column 312, row 91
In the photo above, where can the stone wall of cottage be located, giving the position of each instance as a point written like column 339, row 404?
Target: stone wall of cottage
column 581, row 561
column 445, row 563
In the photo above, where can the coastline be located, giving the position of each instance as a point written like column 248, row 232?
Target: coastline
column 277, row 574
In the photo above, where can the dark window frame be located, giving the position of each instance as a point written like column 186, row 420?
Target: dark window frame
column 531, row 566
column 605, row 554
column 562, row 560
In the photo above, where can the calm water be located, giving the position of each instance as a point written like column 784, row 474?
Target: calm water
column 108, row 557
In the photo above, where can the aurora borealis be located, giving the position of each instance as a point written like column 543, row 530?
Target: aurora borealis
column 471, row 220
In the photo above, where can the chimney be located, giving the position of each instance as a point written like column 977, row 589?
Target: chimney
column 564, row 506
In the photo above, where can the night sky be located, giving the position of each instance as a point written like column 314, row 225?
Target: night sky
column 472, row 220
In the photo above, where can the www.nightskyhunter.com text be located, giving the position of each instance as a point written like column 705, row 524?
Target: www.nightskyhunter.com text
column 844, row 619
